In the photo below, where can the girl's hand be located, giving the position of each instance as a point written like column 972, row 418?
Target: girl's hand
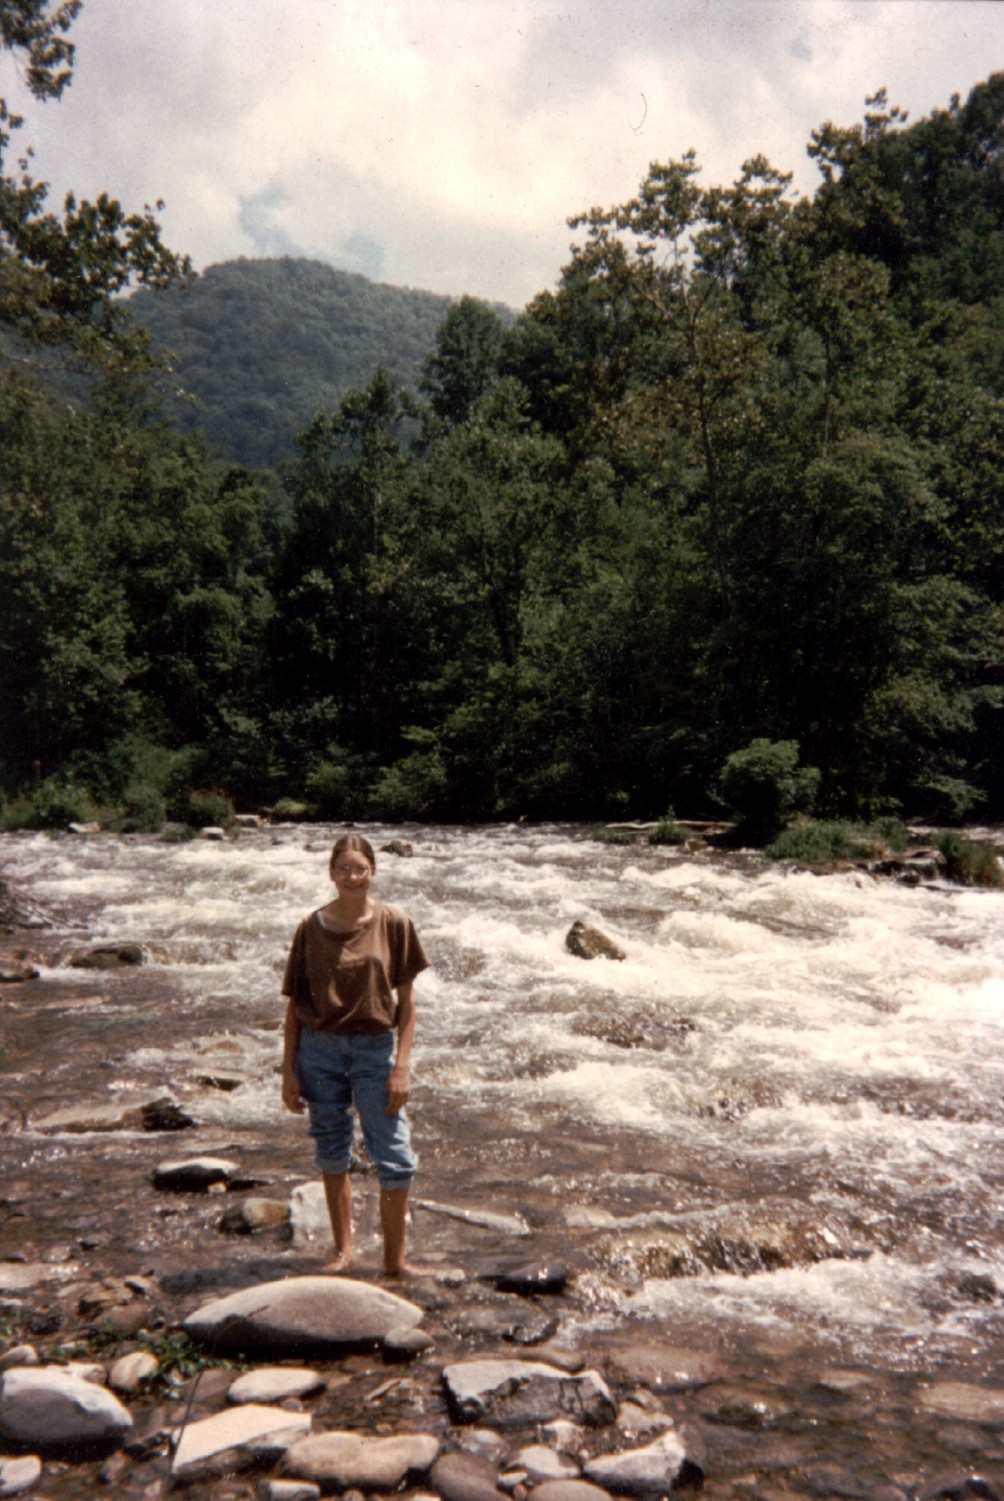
column 291, row 1097
column 398, row 1083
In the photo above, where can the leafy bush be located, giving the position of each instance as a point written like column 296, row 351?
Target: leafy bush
column 209, row 809
column 291, row 809
column 970, row 863
column 823, row 842
column 145, row 811
column 336, row 787
column 53, row 804
column 667, row 830
column 615, row 836
column 414, row 786
column 767, row 788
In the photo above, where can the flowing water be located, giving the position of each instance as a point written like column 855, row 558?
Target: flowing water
column 777, row 1124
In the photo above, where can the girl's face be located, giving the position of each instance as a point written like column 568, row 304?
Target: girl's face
column 351, row 871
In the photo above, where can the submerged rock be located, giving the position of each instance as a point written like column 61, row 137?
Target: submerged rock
column 298, row 1314
column 108, row 956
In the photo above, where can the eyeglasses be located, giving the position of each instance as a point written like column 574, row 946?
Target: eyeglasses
column 350, row 872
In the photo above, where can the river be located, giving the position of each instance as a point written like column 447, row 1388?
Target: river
column 777, row 1125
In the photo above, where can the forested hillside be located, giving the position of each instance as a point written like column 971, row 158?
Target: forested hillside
column 259, row 346
column 730, row 496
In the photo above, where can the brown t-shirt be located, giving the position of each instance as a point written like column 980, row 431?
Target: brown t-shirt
column 345, row 982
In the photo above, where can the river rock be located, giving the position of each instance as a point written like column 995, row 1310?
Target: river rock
column 130, row 1371
column 159, row 1114
column 569, row 1490
column 465, row 1477
column 14, row 972
column 193, row 1174
column 958, row 1399
column 20, row 1277
column 338, row 1460
column 235, row 1440
column 290, row 1490
column 405, row 1344
column 19, row 1355
column 108, row 956
column 541, row 1463
column 522, row 1392
column 17, row 1475
column 274, row 1384
column 300, row 1314
column 402, row 847
column 589, row 943
column 500, row 1224
column 213, row 833
column 47, row 1407
column 253, row 1215
column 651, row 1471
column 663, row 1368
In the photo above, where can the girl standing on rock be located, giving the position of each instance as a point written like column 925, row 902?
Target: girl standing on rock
column 349, row 981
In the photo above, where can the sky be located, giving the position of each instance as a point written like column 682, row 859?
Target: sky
column 443, row 144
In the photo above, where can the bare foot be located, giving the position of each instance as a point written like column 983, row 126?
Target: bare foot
column 340, row 1263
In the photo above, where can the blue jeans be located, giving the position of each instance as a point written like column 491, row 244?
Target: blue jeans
column 338, row 1070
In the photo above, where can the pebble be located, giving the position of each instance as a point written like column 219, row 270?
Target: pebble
column 19, row 1355
column 465, row 1477
column 275, row 1384
column 130, row 1372
column 339, row 1460
column 17, row 1475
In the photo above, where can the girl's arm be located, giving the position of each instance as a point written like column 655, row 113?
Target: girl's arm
column 399, row 1079
column 291, row 1096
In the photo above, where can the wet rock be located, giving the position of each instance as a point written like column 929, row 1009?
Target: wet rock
column 290, row 1490
column 19, row 1355
column 957, row 1399
column 225, row 1082
column 193, row 1174
column 165, row 1114
column 159, row 1114
column 130, row 1372
column 740, row 1408
column 589, row 943
column 213, row 833
column 13, row 972
column 402, row 847
column 17, row 1475
column 301, row 1314
column 254, row 1215
column 948, row 1486
column 108, row 956
column 663, row 1368
column 744, row 1245
column 517, row 1392
column 651, row 1471
column 98, row 1297
column 274, row 1384
column 465, row 1477
column 49, row 1408
column 531, row 1277
column 976, row 1287
column 338, row 1460
column 635, row 1420
column 236, row 1439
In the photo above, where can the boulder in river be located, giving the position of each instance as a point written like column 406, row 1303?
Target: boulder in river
column 299, row 1315
column 589, row 943
column 51, row 1409
column 236, row 1439
column 108, row 956
column 651, row 1471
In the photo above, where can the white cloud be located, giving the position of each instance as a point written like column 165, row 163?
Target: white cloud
column 443, row 143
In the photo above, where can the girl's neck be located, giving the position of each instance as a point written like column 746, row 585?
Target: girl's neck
column 349, row 908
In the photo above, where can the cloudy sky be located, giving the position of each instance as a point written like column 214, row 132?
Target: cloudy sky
column 444, row 143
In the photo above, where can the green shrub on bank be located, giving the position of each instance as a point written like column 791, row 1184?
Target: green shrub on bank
column 969, row 863
column 144, row 811
column 615, row 836
column 824, row 842
column 52, row 804
column 767, row 788
column 209, row 809
column 667, row 830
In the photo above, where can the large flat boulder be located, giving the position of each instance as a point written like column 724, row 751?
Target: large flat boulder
column 235, row 1440
column 299, row 1315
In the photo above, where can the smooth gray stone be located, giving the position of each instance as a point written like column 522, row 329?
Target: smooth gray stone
column 290, row 1490
column 645, row 1472
column 345, row 1460
column 130, row 1371
column 465, row 1477
column 569, row 1490
column 235, row 1439
column 301, row 1313
column 46, row 1406
column 17, row 1475
column 542, row 1463
column 275, row 1384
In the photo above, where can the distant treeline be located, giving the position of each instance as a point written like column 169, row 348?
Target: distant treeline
column 736, row 481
